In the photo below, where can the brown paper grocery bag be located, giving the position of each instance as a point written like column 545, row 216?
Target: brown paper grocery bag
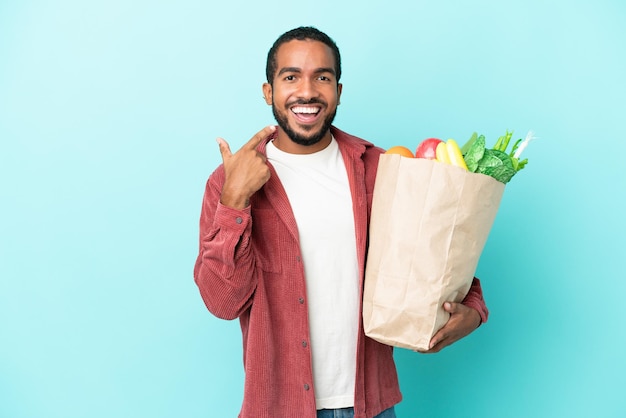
column 429, row 224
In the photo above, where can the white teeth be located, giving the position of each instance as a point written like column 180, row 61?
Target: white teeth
column 309, row 110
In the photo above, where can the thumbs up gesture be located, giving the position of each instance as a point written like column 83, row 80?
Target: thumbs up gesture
column 246, row 170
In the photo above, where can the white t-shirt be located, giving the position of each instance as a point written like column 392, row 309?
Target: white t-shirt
column 319, row 193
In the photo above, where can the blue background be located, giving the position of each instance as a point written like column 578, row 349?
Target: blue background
column 108, row 115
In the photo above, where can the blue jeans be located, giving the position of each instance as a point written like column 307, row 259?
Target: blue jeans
column 349, row 413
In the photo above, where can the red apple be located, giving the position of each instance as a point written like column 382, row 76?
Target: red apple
column 427, row 148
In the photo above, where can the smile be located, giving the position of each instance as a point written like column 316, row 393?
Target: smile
column 306, row 114
column 306, row 110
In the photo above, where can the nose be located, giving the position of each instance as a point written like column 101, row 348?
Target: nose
column 307, row 89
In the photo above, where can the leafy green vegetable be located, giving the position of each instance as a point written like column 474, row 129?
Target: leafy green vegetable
column 495, row 162
column 469, row 143
column 474, row 153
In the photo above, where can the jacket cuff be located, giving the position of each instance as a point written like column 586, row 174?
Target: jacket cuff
column 232, row 219
column 475, row 300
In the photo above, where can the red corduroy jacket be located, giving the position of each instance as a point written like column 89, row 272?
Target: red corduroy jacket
column 249, row 267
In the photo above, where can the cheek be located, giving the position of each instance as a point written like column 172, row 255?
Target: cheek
column 332, row 94
column 279, row 98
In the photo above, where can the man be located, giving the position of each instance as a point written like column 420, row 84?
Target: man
column 283, row 235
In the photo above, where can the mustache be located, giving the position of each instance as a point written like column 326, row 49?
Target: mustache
column 310, row 101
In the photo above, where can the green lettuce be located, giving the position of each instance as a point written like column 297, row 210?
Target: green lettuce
column 495, row 162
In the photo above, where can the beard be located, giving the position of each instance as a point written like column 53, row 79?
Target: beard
column 302, row 139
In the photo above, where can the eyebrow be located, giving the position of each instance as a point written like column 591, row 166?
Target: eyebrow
column 298, row 70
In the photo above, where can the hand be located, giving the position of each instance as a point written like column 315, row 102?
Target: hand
column 246, row 170
column 463, row 320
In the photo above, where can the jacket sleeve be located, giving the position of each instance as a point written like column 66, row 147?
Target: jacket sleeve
column 225, row 268
column 474, row 299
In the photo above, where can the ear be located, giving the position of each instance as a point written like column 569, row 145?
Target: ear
column 339, row 89
column 267, row 93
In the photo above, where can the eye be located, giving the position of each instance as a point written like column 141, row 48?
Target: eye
column 290, row 78
column 326, row 79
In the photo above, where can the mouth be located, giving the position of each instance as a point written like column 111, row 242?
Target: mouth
column 306, row 114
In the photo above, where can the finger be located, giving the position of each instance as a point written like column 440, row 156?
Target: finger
column 259, row 137
column 438, row 346
column 436, row 340
column 452, row 307
column 224, row 148
column 442, row 338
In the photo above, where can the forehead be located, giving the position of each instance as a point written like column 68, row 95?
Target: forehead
column 305, row 54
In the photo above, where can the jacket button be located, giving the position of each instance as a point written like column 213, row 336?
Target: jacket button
column 301, row 300
column 304, row 344
column 298, row 258
column 306, row 386
column 238, row 220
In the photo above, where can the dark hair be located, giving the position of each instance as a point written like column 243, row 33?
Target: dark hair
column 302, row 33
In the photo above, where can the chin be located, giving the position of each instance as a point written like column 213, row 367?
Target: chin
column 306, row 135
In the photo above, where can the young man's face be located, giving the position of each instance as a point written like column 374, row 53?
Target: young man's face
column 305, row 92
